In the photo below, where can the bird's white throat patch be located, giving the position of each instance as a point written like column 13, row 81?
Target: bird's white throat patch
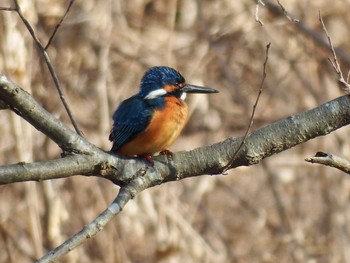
column 183, row 95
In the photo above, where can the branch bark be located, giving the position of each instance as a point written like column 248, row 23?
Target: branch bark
column 91, row 229
column 134, row 175
column 331, row 160
column 87, row 159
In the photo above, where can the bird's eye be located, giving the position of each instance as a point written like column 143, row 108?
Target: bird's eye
column 180, row 85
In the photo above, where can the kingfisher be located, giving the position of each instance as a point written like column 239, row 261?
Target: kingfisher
column 151, row 120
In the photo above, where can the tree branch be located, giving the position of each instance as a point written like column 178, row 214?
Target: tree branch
column 303, row 28
column 91, row 229
column 135, row 175
column 228, row 165
column 71, row 2
column 49, row 65
column 126, row 193
column 331, row 160
column 260, row 144
column 342, row 82
column 53, row 169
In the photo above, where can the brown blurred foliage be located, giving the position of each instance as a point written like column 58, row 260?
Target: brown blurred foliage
column 284, row 210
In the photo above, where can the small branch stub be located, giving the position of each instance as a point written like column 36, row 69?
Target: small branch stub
column 331, row 160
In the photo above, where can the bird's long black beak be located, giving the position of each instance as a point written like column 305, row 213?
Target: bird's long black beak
column 188, row 88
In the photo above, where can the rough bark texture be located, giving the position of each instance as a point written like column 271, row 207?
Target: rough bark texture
column 86, row 159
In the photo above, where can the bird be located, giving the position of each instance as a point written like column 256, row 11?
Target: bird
column 151, row 120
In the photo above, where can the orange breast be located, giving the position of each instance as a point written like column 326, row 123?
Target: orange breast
column 165, row 126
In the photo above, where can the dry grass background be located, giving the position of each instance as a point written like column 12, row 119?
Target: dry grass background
column 282, row 210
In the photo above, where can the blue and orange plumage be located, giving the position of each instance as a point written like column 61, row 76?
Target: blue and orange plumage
column 151, row 120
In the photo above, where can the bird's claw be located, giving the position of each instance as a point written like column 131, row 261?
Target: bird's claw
column 148, row 159
column 168, row 153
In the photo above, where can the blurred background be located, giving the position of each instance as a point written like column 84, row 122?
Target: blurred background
column 281, row 210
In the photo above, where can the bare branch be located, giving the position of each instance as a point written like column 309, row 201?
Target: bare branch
column 179, row 170
column 257, row 19
column 59, row 24
column 135, row 175
column 49, row 65
column 91, row 229
column 7, row 9
column 329, row 159
column 260, row 144
column 294, row 20
column 254, row 108
column 343, row 84
column 52, row 169
column 309, row 32
column 126, row 193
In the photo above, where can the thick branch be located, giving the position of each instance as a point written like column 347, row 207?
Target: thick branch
column 135, row 175
column 53, row 169
column 260, row 144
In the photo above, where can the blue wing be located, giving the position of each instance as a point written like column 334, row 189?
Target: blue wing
column 131, row 118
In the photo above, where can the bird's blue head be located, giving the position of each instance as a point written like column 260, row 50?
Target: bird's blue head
column 164, row 81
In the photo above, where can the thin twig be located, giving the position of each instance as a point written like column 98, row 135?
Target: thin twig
column 227, row 166
column 59, row 24
column 295, row 20
column 309, row 32
column 257, row 19
column 7, row 9
column 344, row 85
column 49, row 65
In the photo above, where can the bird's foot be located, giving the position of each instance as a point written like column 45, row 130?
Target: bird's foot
column 147, row 158
column 168, row 153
